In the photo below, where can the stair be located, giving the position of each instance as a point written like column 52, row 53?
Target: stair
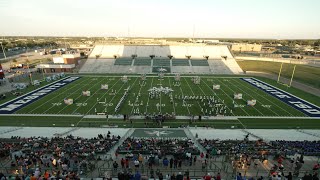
column 66, row 133
column 194, row 140
column 112, row 151
column 251, row 134
column 308, row 133
column 10, row 130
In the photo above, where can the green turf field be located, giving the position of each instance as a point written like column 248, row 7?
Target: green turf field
column 139, row 102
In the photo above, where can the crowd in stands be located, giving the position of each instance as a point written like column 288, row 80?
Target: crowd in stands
column 153, row 153
column 69, row 157
column 57, row 157
column 160, row 147
column 308, row 148
column 243, row 153
column 259, row 147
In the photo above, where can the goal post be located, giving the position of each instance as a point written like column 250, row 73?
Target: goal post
column 293, row 71
column 291, row 78
column 280, row 72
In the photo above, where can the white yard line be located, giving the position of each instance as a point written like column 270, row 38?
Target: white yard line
column 147, row 105
column 102, row 96
column 182, row 97
column 193, row 92
column 230, row 97
column 252, row 97
column 174, row 109
column 118, row 92
column 220, row 98
column 135, row 100
column 55, row 97
column 216, row 96
column 265, row 99
column 244, row 92
column 80, row 96
column 67, row 89
column 108, row 102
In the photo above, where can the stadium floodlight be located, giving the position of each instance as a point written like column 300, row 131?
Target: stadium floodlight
column 4, row 54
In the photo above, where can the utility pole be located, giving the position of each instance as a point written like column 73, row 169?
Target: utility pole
column 193, row 33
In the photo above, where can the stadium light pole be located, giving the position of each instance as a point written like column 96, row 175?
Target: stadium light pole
column 4, row 54
column 42, row 70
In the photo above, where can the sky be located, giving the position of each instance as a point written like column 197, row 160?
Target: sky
column 276, row 19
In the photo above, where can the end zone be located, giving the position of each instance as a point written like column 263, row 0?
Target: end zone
column 305, row 107
column 20, row 102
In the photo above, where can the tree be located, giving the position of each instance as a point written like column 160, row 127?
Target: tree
column 317, row 43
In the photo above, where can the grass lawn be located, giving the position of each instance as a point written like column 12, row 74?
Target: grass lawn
column 305, row 74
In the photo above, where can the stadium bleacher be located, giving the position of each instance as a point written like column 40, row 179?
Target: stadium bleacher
column 142, row 62
column 180, row 62
column 161, row 62
column 220, row 59
column 199, row 63
column 123, row 61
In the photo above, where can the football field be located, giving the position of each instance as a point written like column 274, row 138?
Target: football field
column 183, row 98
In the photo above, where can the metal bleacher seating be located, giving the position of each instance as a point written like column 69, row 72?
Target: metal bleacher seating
column 142, row 62
column 180, row 62
column 199, row 63
column 123, row 61
column 205, row 59
column 161, row 62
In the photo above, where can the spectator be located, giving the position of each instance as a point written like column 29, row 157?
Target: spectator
column 136, row 163
column 173, row 177
column 33, row 177
column 218, row 176
column 289, row 177
column 307, row 177
column 160, row 176
column 315, row 176
column 107, row 176
column 137, row 176
column 127, row 163
column 207, row 177
column 165, row 162
column 239, row 177
column 171, row 163
column 168, row 177
column 115, row 166
column 46, row 174
column 179, row 176
column 122, row 162
column 37, row 173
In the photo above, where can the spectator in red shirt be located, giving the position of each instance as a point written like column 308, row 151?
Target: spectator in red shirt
column 218, row 176
column 207, row 177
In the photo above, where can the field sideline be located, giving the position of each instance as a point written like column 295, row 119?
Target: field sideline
column 249, row 123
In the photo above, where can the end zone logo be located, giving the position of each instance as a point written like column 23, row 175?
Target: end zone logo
column 15, row 104
column 293, row 101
